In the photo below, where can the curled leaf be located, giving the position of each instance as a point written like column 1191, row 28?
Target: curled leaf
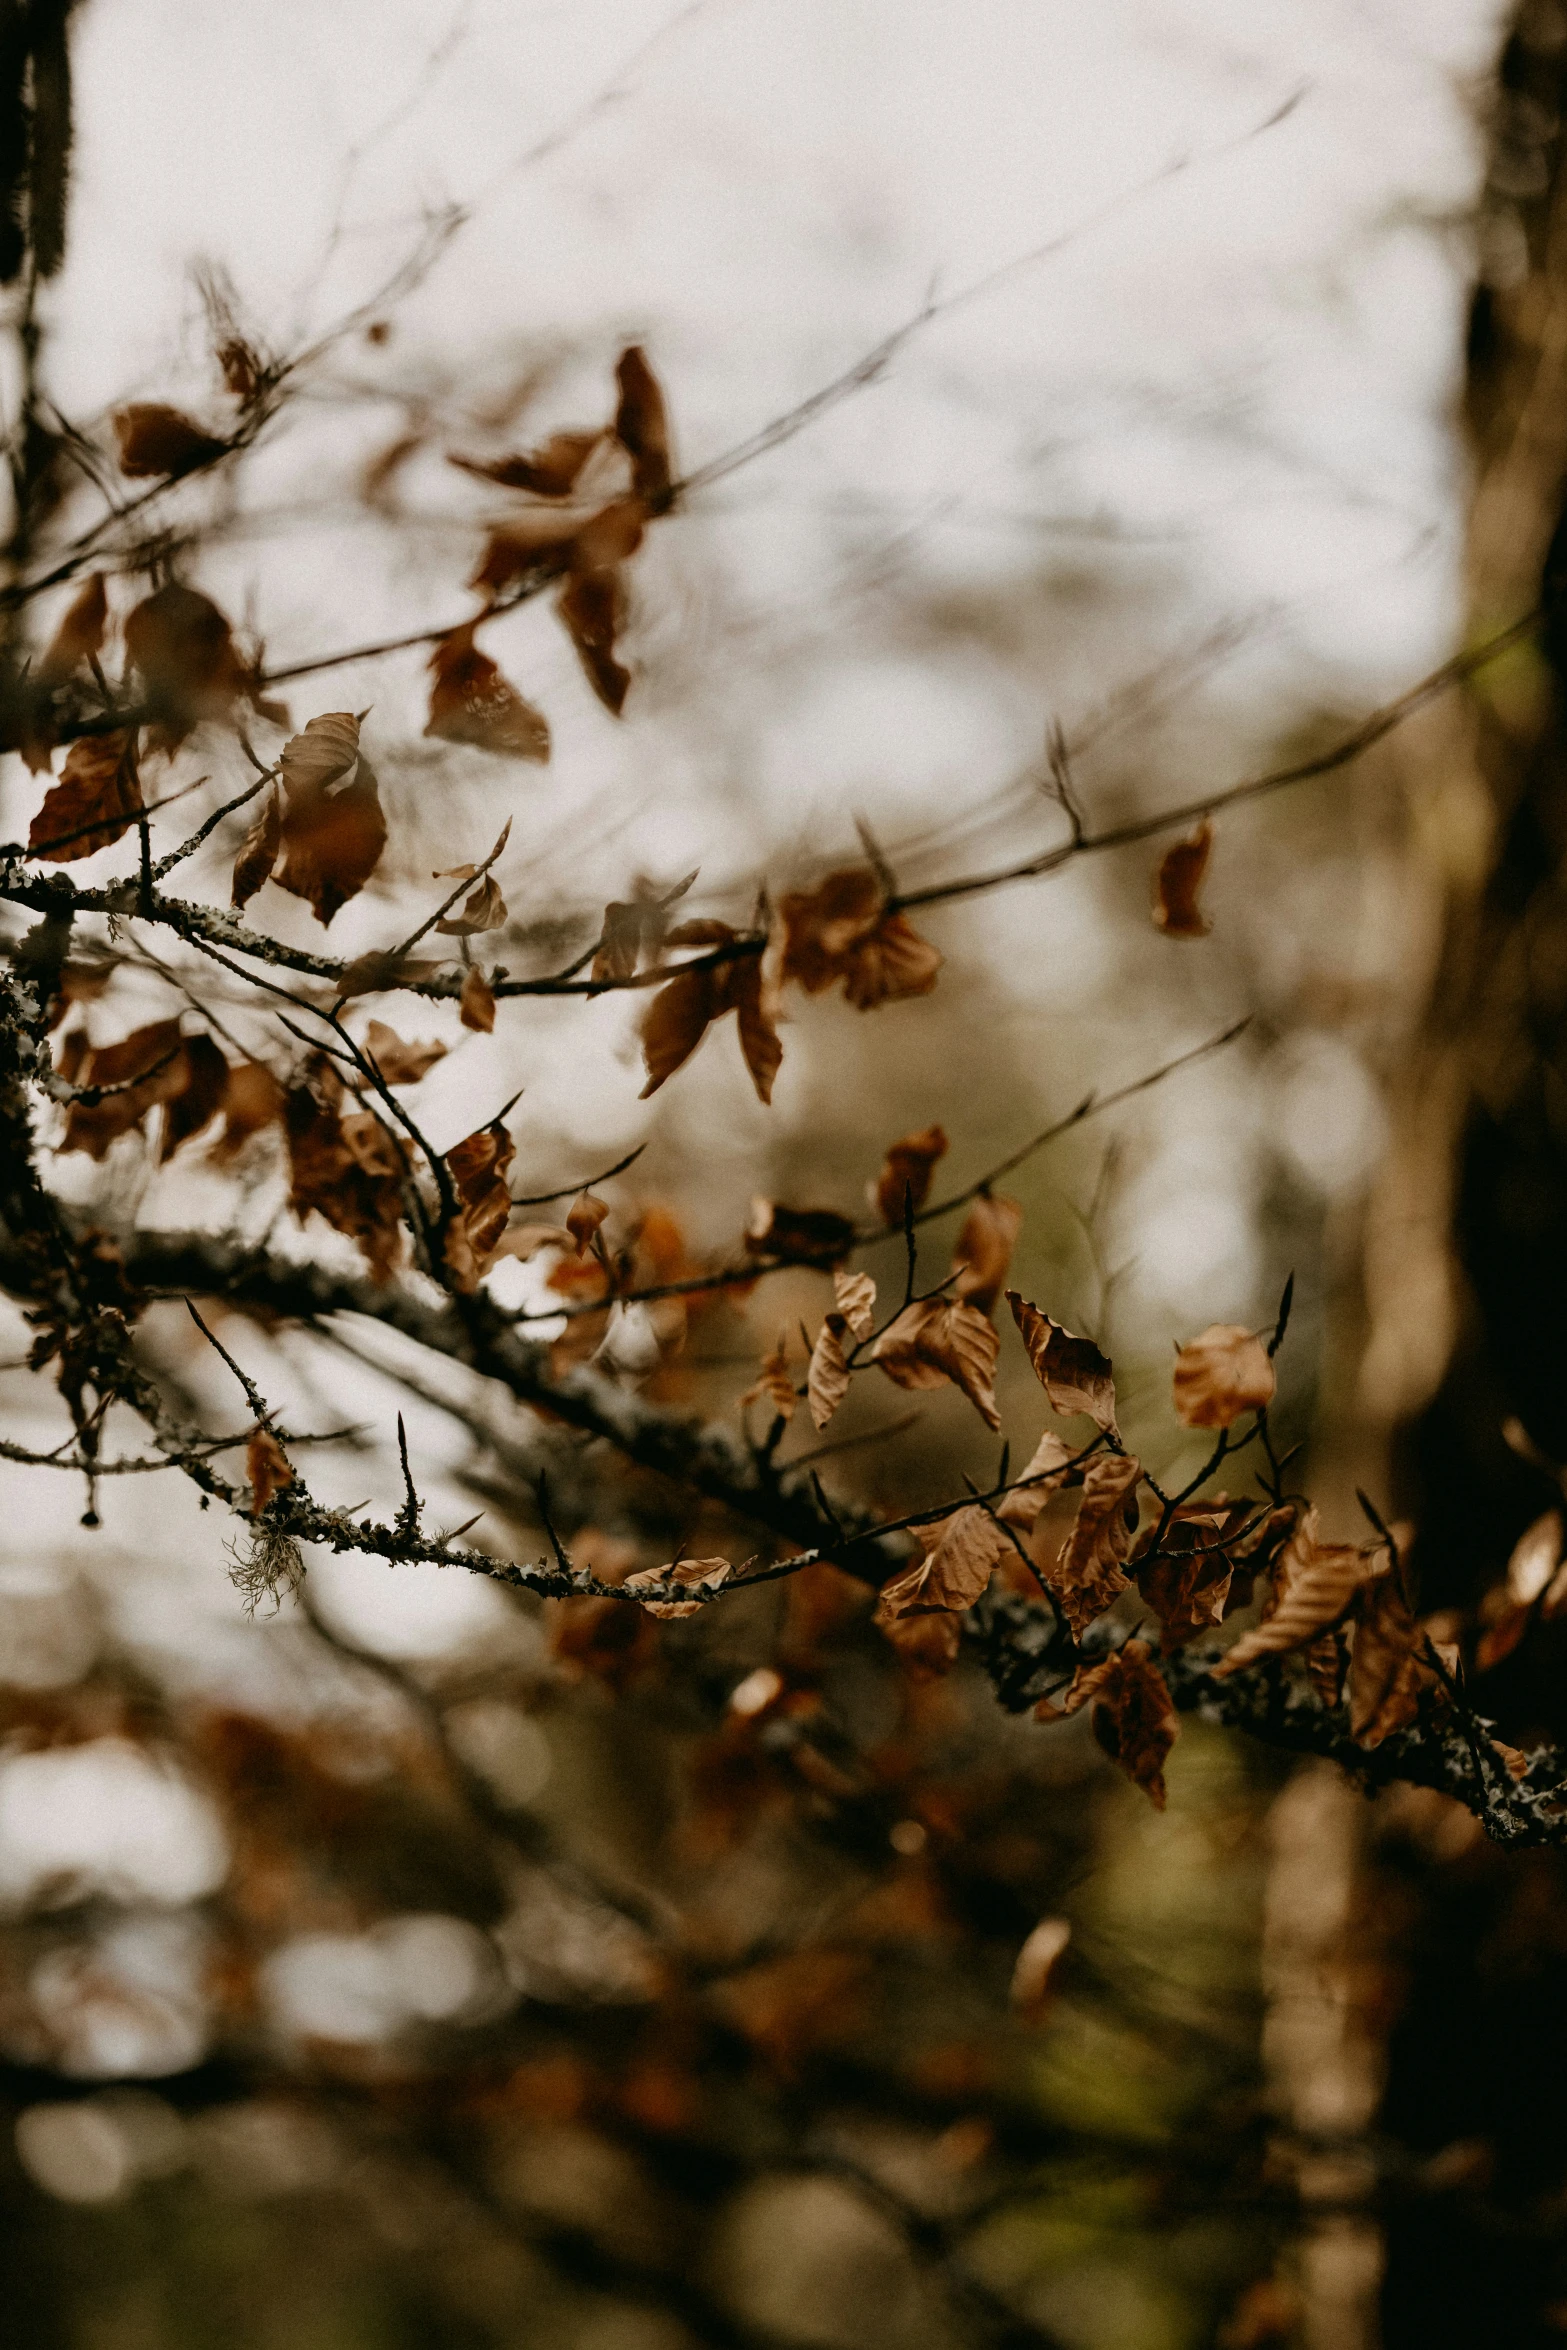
column 683, row 1010
column 593, row 606
column 904, row 1182
column 958, row 1555
column 936, row 1339
column 400, row 1063
column 855, row 1297
column 550, row 471
column 478, row 1167
column 827, row 1379
column 484, row 909
column 333, row 830
column 258, row 850
column 1049, row 1469
column 1089, row 1571
column 1188, row 1584
column 1072, row 1371
column 476, row 1004
column 642, row 423
column 80, row 634
column 842, row 930
column 584, row 1218
column 155, row 441
column 334, row 1171
column 1390, row 1667
column 1220, row 1375
column 471, row 702
column 1175, row 908
column 1314, row 1586
column 1134, row 1716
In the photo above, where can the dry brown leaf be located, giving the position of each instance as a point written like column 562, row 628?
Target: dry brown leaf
column 842, row 930
column 144, row 1068
column 550, row 471
column 905, row 1175
column 1390, row 1669
column 1188, row 1584
column 180, row 645
column 584, row 1218
column 642, row 424
column 775, row 1383
column 471, row 702
column 100, row 780
column 683, row 1010
column 80, row 634
column 827, row 1379
column 328, row 1172
column 254, row 1100
column 1220, row 1375
column 686, row 1575
column 1046, row 1473
column 268, row 1467
column 1314, row 1586
column 203, row 1073
column 1175, row 908
column 983, row 1255
column 333, row 830
column 937, row 1339
column 592, row 604
column 958, row 1555
column 1033, row 1975
column 155, row 441
column 258, row 850
column 927, row 1646
column 854, row 1295
column 483, row 909
column 1072, row 1371
column 478, row 1167
column 799, row 1236
column 1134, row 1717
column 1089, row 1570
column 1324, row 1660
column 476, row 1004
column 534, row 546
column 400, row 1063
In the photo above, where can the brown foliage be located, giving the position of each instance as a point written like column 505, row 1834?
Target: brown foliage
column 958, row 1555
column 97, row 798
column 843, row 930
column 471, row 702
column 1134, row 1717
column 1220, row 1375
column 155, row 442
column 350, row 1171
column 478, row 1167
column 332, row 829
column 903, row 1185
column 936, row 1340
column 1181, row 869
column 1089, row 1571
column 1072, row 1371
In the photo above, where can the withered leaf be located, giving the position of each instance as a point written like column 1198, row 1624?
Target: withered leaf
column 1089, row 1571
column 203, row 1073
column 532, row 547
column 99, row 781
column 958, row 1555
column 936, row 1339
column 181, row 646
column 254, row 1099
column 1188, row 1584
column 983, row 1254
column 642, row 423
column 1047, row 1471
column 1220, row 1375
column 476, row 1004
column 471, row 702
column 799, row 1236
column 1314, row 1584
column 584, row 1218
column 843, row 930
column 775, row 1382
column 1072, row 1371
column 143, row 1069
column 483, row 909
column 827, row 1379
column 1134, row 1717
column 927, row 1646
column 1175, row 908
column 156, row 441
column 550, row 471
column 328, row 1172
column 400, row 1063
column 686, row 1575
column 854, row 1294
column 80, row 633
column 268, row 1467
column 1034, row 1973
column 592, row 606
column 333, row 830
column 1390, row 1670
column 683, row 1010
column 1324, row 1661
column 904, row 1182
column 258, row 850
column 478, row 1167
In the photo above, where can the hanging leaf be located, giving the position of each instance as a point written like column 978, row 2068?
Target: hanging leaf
column 1314, row 1586
column 683, row 1010
column 903, row 1185
column 1134, row 1716
column 1390, row 1667
column 254, row 1100
column 333, row 830
column 258, row 850
column 686, row 1575
column 471, row 702
column 155, row 441
column 1188, row 1584
column 400, row 1063
column 143, row 1069
column 855, row 1297
column 80, row 634
column 842, row 930
column 1072, row 1371
column 592, row 606
column 775, row 1382
column 268, row 1467
column 1049, row 1469
column 1221, row 1375
column 484, row 909
column 203, row 1073
column 478, row 1167
column 958, row 1555
column 982, row 1257
column 642, row 423
column 346, row 1176
column 827, row 1378
column 99, row 790
column 550, row 471
column 182, row 648
column 1175, row 908
column 476, row 1004
column 584, row 1219
column 1089, row 1572
column 935, row 1340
